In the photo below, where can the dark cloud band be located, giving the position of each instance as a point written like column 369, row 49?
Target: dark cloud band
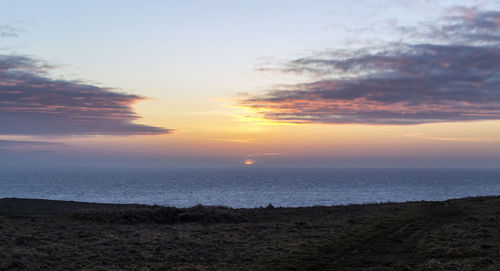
column 32, row 103
column 455, row 78
column 15, row 143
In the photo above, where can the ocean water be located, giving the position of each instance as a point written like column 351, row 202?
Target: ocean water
column 247, row 187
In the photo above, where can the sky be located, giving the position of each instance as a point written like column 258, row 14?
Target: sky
column 267, row 83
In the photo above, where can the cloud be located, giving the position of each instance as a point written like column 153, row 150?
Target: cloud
column 453, row 77
column 10, row 148
column 14, row 143
column 9, row 31
column 234, row 140
column 265, row 154
column 32, row 103
column 451, row 139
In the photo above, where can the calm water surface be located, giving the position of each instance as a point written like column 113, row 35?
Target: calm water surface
column 247, row 187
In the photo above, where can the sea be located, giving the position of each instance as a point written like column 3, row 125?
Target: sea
column 247, row 187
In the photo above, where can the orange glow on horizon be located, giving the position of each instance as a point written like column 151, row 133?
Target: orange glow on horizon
column 249, row 162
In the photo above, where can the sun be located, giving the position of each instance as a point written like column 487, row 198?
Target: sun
column 249, row 162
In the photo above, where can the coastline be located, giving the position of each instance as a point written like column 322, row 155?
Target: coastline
column 60, row 235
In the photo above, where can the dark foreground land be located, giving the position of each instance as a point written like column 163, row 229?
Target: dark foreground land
column 461, row 234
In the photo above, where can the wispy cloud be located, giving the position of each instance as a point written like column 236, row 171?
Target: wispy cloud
column 15, row 143
column 452, row 139
column 234, row 140
column 32, row 103
column 9, row 31
column 453, row 76
column 268, row 154
column 15, row 147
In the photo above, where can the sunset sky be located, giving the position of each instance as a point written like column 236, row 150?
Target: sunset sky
column 267, row 83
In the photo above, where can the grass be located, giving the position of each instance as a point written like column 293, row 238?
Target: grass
column 460, row 234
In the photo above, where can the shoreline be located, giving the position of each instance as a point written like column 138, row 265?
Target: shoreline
column 81, row 204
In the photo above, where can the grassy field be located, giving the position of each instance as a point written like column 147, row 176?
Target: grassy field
column 462, row 234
